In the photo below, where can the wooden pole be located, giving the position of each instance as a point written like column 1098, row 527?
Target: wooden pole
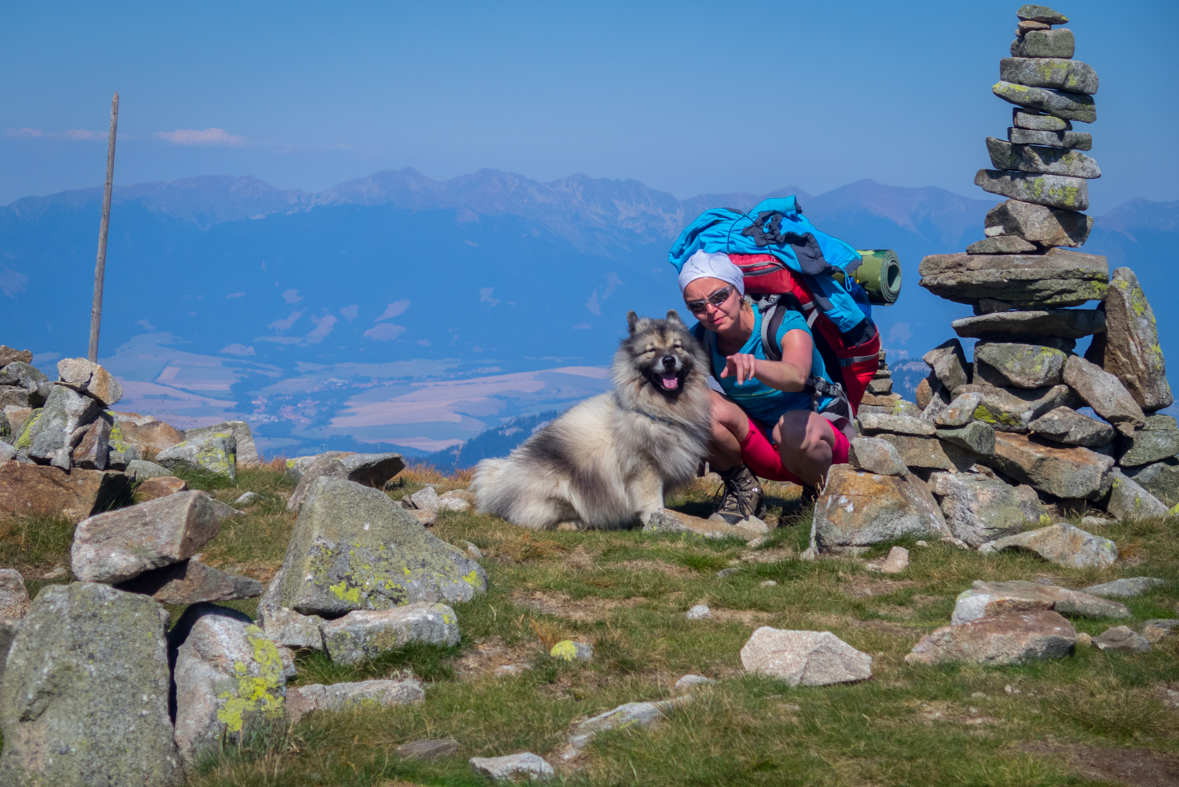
column 100, row 264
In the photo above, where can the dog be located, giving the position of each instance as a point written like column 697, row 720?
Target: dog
column 606, row 463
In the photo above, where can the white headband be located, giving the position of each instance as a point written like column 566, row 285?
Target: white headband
column 703, row 265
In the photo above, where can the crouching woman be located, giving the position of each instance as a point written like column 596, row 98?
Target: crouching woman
column 777, row 419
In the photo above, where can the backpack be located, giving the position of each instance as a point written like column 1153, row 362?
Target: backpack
column 789, row 264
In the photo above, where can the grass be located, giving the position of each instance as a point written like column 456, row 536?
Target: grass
column 625, row 593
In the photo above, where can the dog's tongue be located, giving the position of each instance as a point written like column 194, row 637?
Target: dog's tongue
column 671, row 382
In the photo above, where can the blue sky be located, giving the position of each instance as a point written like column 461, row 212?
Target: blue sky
column 687, row 97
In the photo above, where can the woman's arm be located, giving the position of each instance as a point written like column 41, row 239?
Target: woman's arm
column 789, row 374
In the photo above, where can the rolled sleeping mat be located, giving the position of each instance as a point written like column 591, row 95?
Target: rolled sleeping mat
column 880, row 275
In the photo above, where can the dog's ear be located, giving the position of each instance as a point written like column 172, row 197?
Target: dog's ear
column 674, row 316
column 632, row 320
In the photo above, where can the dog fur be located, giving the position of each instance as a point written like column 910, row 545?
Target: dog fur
column 607, row 462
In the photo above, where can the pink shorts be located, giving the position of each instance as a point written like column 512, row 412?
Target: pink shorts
column 760, row 455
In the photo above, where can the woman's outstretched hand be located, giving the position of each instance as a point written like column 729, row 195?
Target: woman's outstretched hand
column 740, row 365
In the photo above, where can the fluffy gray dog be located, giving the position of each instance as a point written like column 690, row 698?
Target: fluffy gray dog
column 606, row 462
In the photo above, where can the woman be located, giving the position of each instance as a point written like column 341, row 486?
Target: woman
column 766, row 418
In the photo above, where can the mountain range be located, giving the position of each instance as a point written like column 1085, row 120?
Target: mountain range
column 397, row 310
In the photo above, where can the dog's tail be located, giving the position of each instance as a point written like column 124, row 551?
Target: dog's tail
column 488, row 487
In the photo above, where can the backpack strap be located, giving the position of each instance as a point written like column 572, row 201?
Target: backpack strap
column 773, row 310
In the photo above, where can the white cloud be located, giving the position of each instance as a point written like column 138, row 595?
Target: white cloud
column 235, row 295
column 423, row 342
column 12, row 282
column 238, row 349
column 393, row 310
column 147, row 326
column 350, row 312
column 76, row 134
column 25, row 133
column 385, row 332
column 292, row 296
column 598, row 296
column 323, row 326
column 285, row 324
column 582, row 326
column 82, row 135
column 209, row 136
column 485, row 296
column 899, row 333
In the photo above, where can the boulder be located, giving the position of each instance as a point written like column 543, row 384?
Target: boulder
column 1104, row 393
column 365, row 634
column 667, row 521
column 1071, row 76
column 1054, row 279
column 976, row 438
column 321, row 467
column 874, row 455
column 1059, row 103
column 895, row 424
column 91, row 379
column 141, row 470
column 1062, row 544
column 861, row 509
column 93, row 449
column 1161, row 479
column 428, row 749
column 992, row 599
column 1129, row 349
column 1007, row 639
column 804, row 658
column 118, row 545
column 230, row 681
column 12, row 396
column 1071, row 472
column 1035, row 159
column 191, row 582
column 14, row 599
column 1042, row 14
column 1019, row 365
column 959, row 412
column 373, row 470
column 363, row 694
column 145, row 432
column 212, row 453
column 155, row 488
column 1000, row 244
column 631, row 714
column 1044, row 44
column 980, row 509
column 1013, row 326
column 7, row 452
column 1013, row 409
column 513, row 767
column 21, row 375
column 1073, row 140
column 1053, row 191
column 284, row 625
column 9, row 355
column 948, row 361
column 923, row 453
column 85, row 693
column 1157, row 440
column 1125, row 588
column 1122, row 638
column 1066, row 426
column 47, row 434
column 296, row 466
column 243, row 440
column 48, row 491
column 1129, row 502
column 354, row 548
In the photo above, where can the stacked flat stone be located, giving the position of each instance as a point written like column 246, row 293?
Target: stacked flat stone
column 879, row 393
column 997, row 437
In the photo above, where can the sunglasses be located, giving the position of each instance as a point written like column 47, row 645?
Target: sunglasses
column 716, row 299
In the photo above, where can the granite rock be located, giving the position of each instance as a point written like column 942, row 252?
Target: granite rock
column 213, row 453
column 1125, row 588
column 93, row 448
column 21, row 374
column 804, row 658
column 155, row 488
column 1161, row 479
column 861, row 509
column 245, row 451
column 365, row 694
column 48, row 434
column 1053, row 191
column 365, row 634
column 512, row 767
column 1045, row 43
column 14, row 599
column 50, row 491
column 1104, row 393
column 992, row 599
column 1071, row 76
column 1041, row 13
column 1068, row 427
column 1044, row 160
column 960, row 411
column 1073, row 140
column 1129, row 348
column 9, row 355
column 1013, row 409
column 1129, row 502
column 1122, row 638
column 323, row 466
column 1001, row 244
column 1062, row 544
column 1021, row 118
column 1043, row 226
column 980, row 509
column 1055, row 279
column 631, row 714
column 1003, row 364
column 428, row 749
column 1157, row 440
column 1071, row 472
column 1007, row 639
column 976, row 437
column 947, row 361
column 874, row 455
column 923, row 453
column 192, row 582
column 895, row 424
column 91, row 379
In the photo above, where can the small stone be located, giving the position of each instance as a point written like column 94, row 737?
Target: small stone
column 861, row 509
column 1018, row 365
column 1125, row 588
column 876, row 456
column 91, row 379
column 976, row 437
column 525, row 765
column 1034, row 122
column 141, row 470
column 1090, row 522
column 1084, row 640
column 246, row 499
column 875, row 400
column 368, row 694
column 14, row 599
column 121, row 544
column 22, row 375
column 1053, row 191
column 1068, row 427
column 1057, row 278
column 726, row 572
column 769, row 583
column 93, row 449
column 1122, row 638
column 1044, row 226
column 48, row 433
column 1044, row 43
column 895, row 424
column 906, row 409
column 428, row 749
column 1129, row 502
column 804, row 658
column 699, row 612
column 688, row 681
column 364, row 635
column 896, row 561
column 1161, row 479
column 1104, row 393
column 1157, row 440
column 1007, row 639
column 1041, row 13
column 980, row 509
column 667, row 521
column 1024, row 26
column 1012, row 409
column 1073, row 140
column 947, row 360
column 1153, row 631
column 474, row 551
column 1062, row 544
column 1071, row 76
column 992, row 599
column 1130, row 349
column 284, row 625
column 568, row 650
column 214, row 453
column 923, row 453
column 155, row 488
column 631, row 714
column 1002, row 244
column 192, row 582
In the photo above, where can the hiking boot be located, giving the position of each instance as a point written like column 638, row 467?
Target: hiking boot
column 742, row 497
